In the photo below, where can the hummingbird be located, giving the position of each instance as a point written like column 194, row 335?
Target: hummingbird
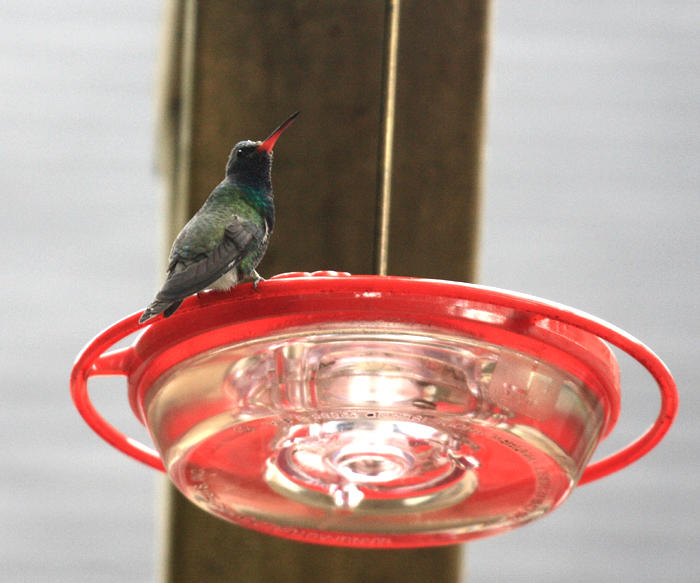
column 225, row 240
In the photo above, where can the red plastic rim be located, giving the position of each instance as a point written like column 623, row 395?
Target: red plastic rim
column 97, row 359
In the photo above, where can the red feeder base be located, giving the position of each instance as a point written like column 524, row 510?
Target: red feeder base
column 373, row 411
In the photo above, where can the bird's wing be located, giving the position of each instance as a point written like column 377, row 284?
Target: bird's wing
column 186, row 277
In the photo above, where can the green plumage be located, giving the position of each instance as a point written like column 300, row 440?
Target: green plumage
column 205, row 230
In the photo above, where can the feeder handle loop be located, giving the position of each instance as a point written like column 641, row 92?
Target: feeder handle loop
column 95, row 361
column 656, row 368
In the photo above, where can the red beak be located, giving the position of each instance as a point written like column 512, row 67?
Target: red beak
column 269, row 141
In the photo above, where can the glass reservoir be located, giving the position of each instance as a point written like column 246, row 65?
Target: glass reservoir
column 375, row 434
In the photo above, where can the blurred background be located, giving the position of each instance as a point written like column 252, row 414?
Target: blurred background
column 591, row 199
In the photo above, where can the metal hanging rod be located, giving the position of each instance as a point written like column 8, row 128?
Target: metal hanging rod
column 386, row 137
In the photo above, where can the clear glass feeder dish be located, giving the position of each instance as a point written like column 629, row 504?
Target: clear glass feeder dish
column 373, row 431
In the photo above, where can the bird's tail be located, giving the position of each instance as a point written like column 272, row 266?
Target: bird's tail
column 158, row 306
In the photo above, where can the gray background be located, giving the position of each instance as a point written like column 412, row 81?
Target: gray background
column 592, row 176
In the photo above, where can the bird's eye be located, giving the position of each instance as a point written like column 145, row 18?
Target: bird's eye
column 240, row 153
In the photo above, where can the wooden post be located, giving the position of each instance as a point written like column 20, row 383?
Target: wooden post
column 234, row 70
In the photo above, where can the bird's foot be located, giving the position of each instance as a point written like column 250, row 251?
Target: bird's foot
column 257, row 278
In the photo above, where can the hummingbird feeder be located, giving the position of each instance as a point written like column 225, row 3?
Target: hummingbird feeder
column 372, row 411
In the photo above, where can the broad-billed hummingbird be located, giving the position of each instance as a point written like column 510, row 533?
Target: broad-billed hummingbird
column 225, row 240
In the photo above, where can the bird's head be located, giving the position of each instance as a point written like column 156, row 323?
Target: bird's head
column 251, row 161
